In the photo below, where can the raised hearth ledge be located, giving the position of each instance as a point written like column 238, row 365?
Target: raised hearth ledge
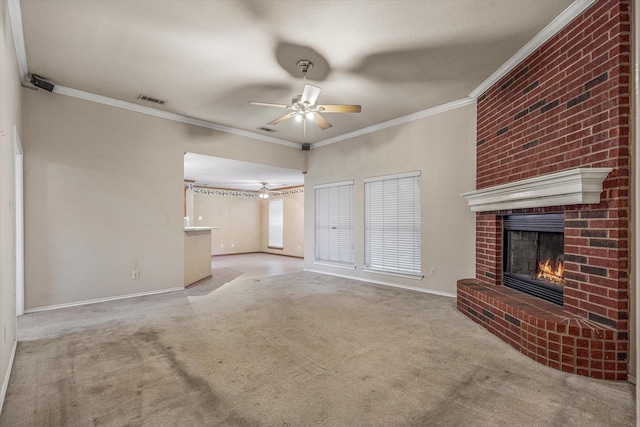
column 570, row 187
column 545, row 332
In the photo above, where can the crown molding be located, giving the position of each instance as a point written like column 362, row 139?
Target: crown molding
column 577, row 7
column 568, row 15
column 75, row 93
column 570, row 187
column 400, row 120
column 15, row 16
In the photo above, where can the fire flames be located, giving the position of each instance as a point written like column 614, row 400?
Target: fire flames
column 548, row 273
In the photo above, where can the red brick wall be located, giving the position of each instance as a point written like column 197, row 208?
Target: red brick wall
column 567, row 106
column 596, row 266
column 488, row 244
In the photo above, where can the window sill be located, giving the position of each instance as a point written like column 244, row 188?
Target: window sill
column 391, row 273
column 335, row 265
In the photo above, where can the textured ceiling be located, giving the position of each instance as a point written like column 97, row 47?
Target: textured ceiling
column 208, row 59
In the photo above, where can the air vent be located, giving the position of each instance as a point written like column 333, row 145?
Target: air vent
column 150, row 99
column 267, row 129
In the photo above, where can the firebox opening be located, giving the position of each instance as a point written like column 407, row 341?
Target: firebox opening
column 534, row 255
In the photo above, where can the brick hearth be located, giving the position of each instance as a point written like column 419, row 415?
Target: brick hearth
column 566, row 106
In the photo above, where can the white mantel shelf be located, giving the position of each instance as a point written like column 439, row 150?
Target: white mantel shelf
column 571, row 187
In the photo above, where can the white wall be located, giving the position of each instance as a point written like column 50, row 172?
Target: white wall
column 442, row 147
column 104, row 196
column 10, row 108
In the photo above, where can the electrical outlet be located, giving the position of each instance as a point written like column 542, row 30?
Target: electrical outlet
column 221, row 245
column 135, row 275
column 199, row 217
column 432, row 272
column 233, row 245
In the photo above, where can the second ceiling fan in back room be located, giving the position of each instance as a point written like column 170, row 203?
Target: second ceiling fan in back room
column 304, row 107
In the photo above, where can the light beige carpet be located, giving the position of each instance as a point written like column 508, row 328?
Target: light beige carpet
column 293, row 350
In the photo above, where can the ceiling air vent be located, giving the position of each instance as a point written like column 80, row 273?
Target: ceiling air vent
column 150, row 99
column 265, row 129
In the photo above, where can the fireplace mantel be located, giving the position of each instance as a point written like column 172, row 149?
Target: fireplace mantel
column 570, row 187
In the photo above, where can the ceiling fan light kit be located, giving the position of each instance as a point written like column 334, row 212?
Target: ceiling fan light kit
column 305, row 107
column 264, row 192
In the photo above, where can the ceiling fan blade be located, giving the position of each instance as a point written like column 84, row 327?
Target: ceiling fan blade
column 282, row 119
column 310, row 94
column 320, row 121
column 340, row 108
column 269, row 104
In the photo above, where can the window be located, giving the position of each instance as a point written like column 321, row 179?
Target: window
column 334, row 223
column 276, row 222
column 392, row 224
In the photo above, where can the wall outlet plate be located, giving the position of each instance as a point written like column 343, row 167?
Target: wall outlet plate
column 135, row 275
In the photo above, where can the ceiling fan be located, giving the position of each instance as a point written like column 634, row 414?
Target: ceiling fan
column 263, row 193
column 304, row 107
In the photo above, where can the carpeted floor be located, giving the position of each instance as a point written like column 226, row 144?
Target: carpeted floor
column 298, row 349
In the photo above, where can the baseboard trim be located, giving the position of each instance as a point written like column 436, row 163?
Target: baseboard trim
column 99, row 300
column 380, row 282
column 258, row 252
column 198, row 281
column 5, row 383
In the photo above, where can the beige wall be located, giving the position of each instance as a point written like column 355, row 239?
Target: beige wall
column 293, row 233
column 244, row 223
column 442, row 147
column 238, row 219
column 10, row 108
column 104, row 196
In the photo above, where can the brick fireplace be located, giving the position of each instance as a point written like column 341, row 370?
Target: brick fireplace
column 553, row 137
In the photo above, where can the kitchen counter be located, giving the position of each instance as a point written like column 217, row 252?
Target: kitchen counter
column 199, row 228
column 197, row 254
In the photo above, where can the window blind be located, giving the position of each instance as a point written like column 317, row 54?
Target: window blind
column 393, row 224
column 276, row 223
column 334, row 222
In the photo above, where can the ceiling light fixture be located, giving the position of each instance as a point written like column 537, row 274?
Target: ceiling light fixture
column 264, row 191
column 304, row 107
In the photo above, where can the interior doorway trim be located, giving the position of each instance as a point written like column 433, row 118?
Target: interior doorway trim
column 19, row 210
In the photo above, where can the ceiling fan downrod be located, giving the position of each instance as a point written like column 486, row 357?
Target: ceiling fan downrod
column 304, row 65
